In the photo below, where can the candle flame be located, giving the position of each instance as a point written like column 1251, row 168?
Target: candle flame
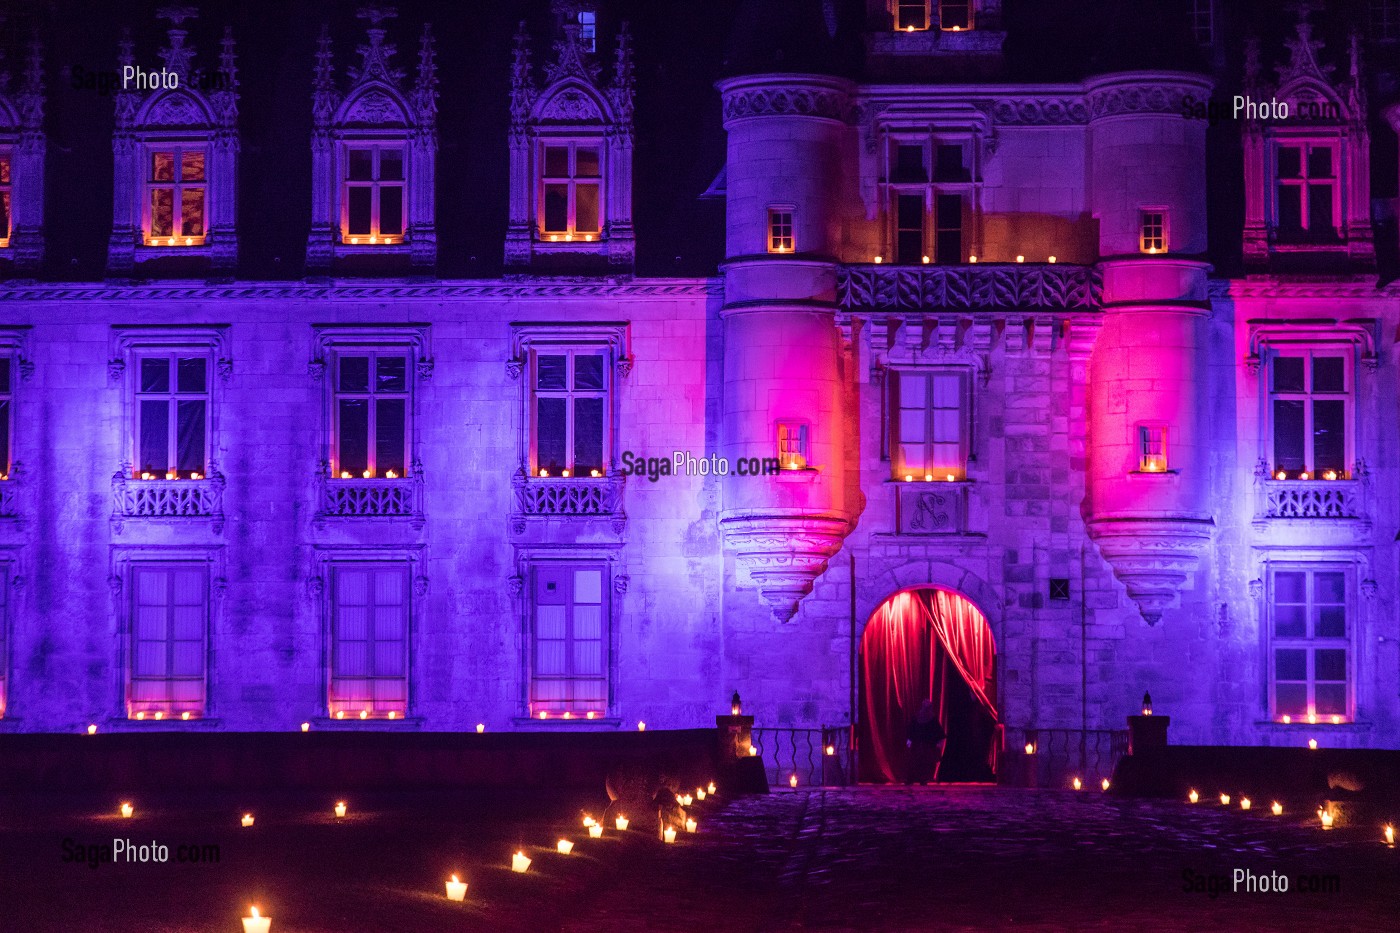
column 1277, row 808
column 1193, row 796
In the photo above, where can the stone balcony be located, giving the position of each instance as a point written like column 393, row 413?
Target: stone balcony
column 1028, row 286
column 168, row 500
column 401, row 497
column 554, row 498
column 1311, row 499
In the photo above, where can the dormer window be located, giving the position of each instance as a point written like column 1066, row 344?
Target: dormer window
column 571, row 153
column 929, row 202
column 22, row 147
column 571, row 191
column 911, row 15
column 175, row 161
column 373, row 196
column 1307, row 192
column 176, row 197
column 374, row 158
column 955, row 17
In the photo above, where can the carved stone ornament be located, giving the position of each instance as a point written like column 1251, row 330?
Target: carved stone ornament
column 1256, row 589
column 783, row 555
column 225, row 370
column 420, row 586
column 620, row 584
column 1369, row 588
column 514, row 368
column 316, row 586
column 116, row 368
column 114, row 583
column 1153, row 558
column 514, row 585
column 316, row 369
column 425, row 370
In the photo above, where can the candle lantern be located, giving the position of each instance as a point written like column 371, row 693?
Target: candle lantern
column 1245, row 803
column 564, row 846
column 595, row 831
column 1312, row 744
column 340, row 810
column 620, row 823
column 1277, row 808
column 1147, row 704
column 753, row 750
column 306, row 727
column 1389, row 833
column 256, row 922
column 641, row 727
column 456, row 890
column 1326, row 817
column 519, row 862
column 830, row 750
column 1104, row 783
column 127, row 810
column 1193, row 796
column 589, row 821
column 1030, row 748
column 669, row 834
column 1077, row 784
column 1225, row 800
column 690, row 824
column 792, row 781
column 699, row 793
column 735, row 707
column 247, row 820
column 711, row 788
column 1287, row 719
column 686, row 800
column 92, row 729
column 480, row 728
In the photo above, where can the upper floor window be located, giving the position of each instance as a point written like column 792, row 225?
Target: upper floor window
column 1202, row 19
column 1310, row 644
column 1310, row 405
column 172, row 416
column 5, row 161
column 374, row 195
column 1152, row 448
column 588, row 29
column 929, row 191
column 1307, row 194
column 169, row 655
column 911, row 15
column 1153, row 236
column 369, row 641
column 794, row 445
column 570, row 411
column 7, row 404
column 780, row 236
column 571, row 190
column 569, row 644
column 371, row 415
column 176, row 191
column 930, row 436
column 955, row 16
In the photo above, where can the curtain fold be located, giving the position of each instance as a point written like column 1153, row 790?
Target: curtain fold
column 908, row 647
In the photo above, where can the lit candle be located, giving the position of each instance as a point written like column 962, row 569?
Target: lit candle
column 621, row 823
column 928, row 477
column 1326, row 817
column 374, row 239
column 1245, row 803
column 364, row 714
column 128, row 810
column 340, row 714
column 1304, row 475
column 830, row 750
column 753, row 750
column 568, row 715
column 1104, row 783
column 589, row 821
column 949, row 477
column 1020, row 258
column 686, row 800
column 1193, row 796
column 1280, row 475
column 354, row 241
column 480, row 728
column 669, row 834
column 247, row 820
column 1277, row 808
column 1077, row 784
column 879, row 259
column 594, row 473
column 1287, row 719
column 1330, row 474
column 1052, row 259
column 792, row 781
column 141, row 715
column 972, row 258
column 185, row 715
column 1225, row 800
column 1389, row 832
column 367, row 474
column 590, row 714
column 564, row 846
column 256, row 922
column 641, row 727
column 595, row 831
column 145, row 476
column 390, row 474
column 196, row 476
column 306, row 727
column 690, row 824
column 344, row 474
column 925, row 260
column 544, row 714
column 1336, row 720
column 1030, row 749
column 92, row 729
column 699, row 793
column 456, row 890
column 519, row 862
column 340, row 809
column 159, row 715
column 711, row 788
column 1312, row 719
column 1312, row 744
column 393, row 714
column 908, row 478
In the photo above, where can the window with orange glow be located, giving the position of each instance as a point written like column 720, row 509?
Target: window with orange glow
column 176, row 191
column 1153, row 237
column 780, row 236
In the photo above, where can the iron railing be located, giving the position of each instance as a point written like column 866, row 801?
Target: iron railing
column 801, row 751
column 1058, row 756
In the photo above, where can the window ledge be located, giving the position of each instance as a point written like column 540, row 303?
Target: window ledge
column 373, row 249
column 525, row 723
column 804, row 475
column 179, row 249
column 942, row 483
column 356, row 724
column 1152, row 473
column 1319, row 730
column 126, row 724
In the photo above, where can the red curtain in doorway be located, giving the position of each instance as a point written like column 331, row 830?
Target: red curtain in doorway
column 902, row 665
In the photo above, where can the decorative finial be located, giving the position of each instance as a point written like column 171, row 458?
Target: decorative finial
column 228, row 66
column 375, row 64
column 324, row 79
column 377, row 14
column 177, row 14
column 425, row 88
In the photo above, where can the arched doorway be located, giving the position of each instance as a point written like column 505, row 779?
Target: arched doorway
column 935, row 644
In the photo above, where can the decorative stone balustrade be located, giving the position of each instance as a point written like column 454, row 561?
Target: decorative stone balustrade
column 372, row 498
column 568, row 496
column 1051, row 286
column 1285, row 499
column 9, row 499
column 165, row 499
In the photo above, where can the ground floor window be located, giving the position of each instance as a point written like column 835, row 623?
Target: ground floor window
column 369, row 641
column 569, row 641
column 169, row 656
column 1310, row 644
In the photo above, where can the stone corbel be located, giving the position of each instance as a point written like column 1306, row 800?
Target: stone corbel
column 1369, row 589
column 316, row 369
column 1252, row 363
column 425, row 370
column 624, row 366
column 1256, row 590
column 620, row 584
column 225, row 370
column 315, row 588
column 26, row 369
column 514, row 367
column 420, row 586
column 116, row 368
column 515, row 585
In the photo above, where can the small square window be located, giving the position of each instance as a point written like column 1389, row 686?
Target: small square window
column 794, row 448
column 1059, row 588
column 1154, row 231
column 1152, row 448
column 780, row 233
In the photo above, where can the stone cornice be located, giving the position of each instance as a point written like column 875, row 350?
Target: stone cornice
column 1357, row 289
column 359, row 291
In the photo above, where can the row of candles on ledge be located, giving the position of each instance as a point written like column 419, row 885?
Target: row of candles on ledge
column 169, row 474
column 879, row 260
column 1325, row 474
column 369, row 474
column 569, row 238
column 928, row 478
column 375, row 240
column 544, row 474
column 173, row 241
